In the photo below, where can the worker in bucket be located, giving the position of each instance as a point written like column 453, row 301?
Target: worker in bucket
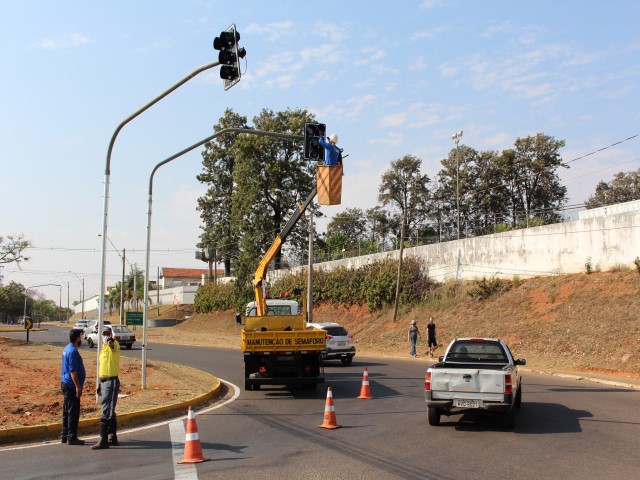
column 333, row 154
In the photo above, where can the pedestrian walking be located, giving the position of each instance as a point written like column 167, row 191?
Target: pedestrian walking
column 108, row 388
column 412, row 335
column 72, row 377
column 431, row 336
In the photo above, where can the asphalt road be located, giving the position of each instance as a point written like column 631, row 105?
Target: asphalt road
column 565, row 429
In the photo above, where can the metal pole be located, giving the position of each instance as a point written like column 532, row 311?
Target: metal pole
column 147, row 255
column 83, row 298
column 124, row 256
column 310, row 267
column 106, row 199
column 456, row 138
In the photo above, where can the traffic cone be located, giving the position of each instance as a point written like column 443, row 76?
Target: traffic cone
column 329, row 412
column 365, row 393
column 192, row 448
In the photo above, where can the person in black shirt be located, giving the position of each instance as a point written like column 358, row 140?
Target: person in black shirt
column 431, row 330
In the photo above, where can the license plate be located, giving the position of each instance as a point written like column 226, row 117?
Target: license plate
column 464, row 403
column 340, row 344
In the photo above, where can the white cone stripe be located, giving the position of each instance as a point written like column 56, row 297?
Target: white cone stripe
column 192, row 437
column 192, row 415
column 365, row 382
column 329, row 408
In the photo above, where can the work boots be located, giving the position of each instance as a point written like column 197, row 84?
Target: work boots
column 104, row 431
column 113, row 438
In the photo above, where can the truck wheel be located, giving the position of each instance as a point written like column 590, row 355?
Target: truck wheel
column 434, row 416
column 518, row 397
column 90, row 342
column 129, row 345
column 347, row 360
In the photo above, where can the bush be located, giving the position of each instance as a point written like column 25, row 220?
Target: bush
column 218, row 297
column 484, row 289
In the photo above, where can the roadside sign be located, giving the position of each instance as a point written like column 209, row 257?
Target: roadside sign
column 133, row 318
column 28, row 324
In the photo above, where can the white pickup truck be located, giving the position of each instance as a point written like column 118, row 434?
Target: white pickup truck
column 474, row 374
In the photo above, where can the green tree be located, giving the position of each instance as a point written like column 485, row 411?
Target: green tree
column 405, row 188
column 218, row 237
column 12, row 249
column 351, row 223
column 537, row 159
column 12, row 300
column 271, row 178
column 624, row 187
column 456, row 184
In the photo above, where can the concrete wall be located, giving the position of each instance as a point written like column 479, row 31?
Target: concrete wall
column 184, row 295
column 608, row 241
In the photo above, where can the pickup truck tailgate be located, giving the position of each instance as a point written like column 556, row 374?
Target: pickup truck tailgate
column 447, row 382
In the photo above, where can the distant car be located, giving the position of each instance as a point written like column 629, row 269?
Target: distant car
column 339, row 342
column 92, row 327
column 121, row 333
column 81, row 325
column 21, row 319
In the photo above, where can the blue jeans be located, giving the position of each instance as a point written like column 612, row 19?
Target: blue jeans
column 413, row 345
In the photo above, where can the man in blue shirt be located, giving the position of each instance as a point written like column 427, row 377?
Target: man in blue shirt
column 72, row 375
column 332, row 152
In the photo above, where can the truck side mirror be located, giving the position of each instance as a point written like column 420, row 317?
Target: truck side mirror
column 521, row 361
column 238, row 319
column 441, row 358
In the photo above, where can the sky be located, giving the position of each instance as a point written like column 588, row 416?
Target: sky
column 390, row 78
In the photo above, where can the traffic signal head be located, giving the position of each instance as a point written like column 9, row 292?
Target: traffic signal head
column 312, row 149
column 229, row 56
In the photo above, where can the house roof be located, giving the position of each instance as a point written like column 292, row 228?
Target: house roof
column 187, row 272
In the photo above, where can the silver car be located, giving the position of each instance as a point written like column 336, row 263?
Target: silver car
column 339, row 342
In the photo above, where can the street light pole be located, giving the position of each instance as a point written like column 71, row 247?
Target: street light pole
column 82, row 281
column 148, row 247
column 26, row 290
column 456, row 138
column 105, row 214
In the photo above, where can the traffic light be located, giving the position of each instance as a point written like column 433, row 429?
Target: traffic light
column 312, row 149
column 229, row 56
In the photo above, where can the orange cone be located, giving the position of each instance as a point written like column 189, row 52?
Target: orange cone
column 365, row 393
column 192, row 448
column 329, row 412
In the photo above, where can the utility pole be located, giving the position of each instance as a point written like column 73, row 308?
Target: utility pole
column 124, row 256
column 404, row 221
column 456, row 138
column 310, row 267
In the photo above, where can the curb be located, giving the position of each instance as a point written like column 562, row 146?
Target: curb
column 90, row 425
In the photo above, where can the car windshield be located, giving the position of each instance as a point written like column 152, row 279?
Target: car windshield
column 336, row 331
column 120, row 329
column 477, row 351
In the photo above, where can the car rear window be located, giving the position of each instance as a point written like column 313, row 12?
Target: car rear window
column 336, row 331
column 477, row 351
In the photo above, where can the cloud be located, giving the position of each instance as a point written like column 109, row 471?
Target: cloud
column 428, row 33
column 426, row 4
column 69, row 41
column 392, row 139
column 370, row 55
column 421, row 115
column 418, row 64
column 273, row 31
column 334, row 33
column 504, row 27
